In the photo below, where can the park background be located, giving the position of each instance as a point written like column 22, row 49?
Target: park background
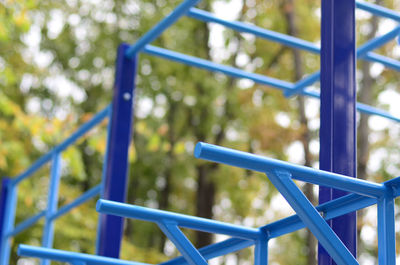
column 57, row 69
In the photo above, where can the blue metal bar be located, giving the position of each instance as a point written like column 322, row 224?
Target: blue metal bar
column 68, row 256
column 115, row 183
column 261, row 252
column 215, row 250
column 364, row 51
column 329, row 210
column 290, row 40
column 377, row 42
column 214, row 67
column 52, row 202
column 386, row 231
column 260, row 79
column 311, row 218
column 26, row 224
column 257, row 31
column 8, row 224
column 77, row 202
column 360, row 107
column 160, row 27
column 103, row 181
column 305, row 82
column 262, row 164
column 62, row 146
column 389, row 62
column 378, row 10
column 185, row 247
column 3, row 205
column 338, row 143
column 191, row 222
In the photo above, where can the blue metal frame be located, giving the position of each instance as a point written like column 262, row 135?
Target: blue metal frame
column 117, row 153
column 338, row 111
column 363, row 193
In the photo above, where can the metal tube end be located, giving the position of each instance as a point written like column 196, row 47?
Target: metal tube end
column 198, row 149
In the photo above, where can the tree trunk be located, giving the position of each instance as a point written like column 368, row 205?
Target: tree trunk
column 288, row 9
column 365, row 95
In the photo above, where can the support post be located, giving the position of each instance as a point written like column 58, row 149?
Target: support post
column 338, row 110
column 8, row 225
column 115, row 184
column 3, row 205
column 52, row 203
column 386, row 231
column 261, row 251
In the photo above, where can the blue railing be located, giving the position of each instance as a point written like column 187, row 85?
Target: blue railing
column 51, row 213
column 281, row 174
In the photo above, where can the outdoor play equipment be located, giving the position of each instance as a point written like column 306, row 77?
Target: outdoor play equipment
column 337, row 141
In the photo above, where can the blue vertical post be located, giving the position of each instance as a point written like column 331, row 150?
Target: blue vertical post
column 386, row 231
column 111, row 227
column 338, row 110
column 52, row 203
column 3, row 205
column 8, row 225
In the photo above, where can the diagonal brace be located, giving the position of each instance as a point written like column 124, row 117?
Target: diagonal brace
column 311, row 218
column 188, row 251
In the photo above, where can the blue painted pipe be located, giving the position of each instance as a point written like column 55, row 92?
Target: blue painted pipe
column 68, row 256
column 262, row 164
column 78, row 201
column 214, row 67
column 160, row 27
column 257, row 31
column 378, row 10
column 26, row 224
column 297, row 42
column 156, row 216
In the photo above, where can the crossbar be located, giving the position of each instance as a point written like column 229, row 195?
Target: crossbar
column 262, row 164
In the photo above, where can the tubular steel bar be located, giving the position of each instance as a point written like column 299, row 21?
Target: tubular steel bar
column 362, row 52
column 214, row 67
column 386, row 231
column 290, row 40
column 115, row 183
column 8, row 224
column 378, row 10
column 215, row 250
column 195, row 223
column 260, row 79
column 96, row 119
column 160, row 27
column 26, row 224
column 52, row 202
column 185, row 247
column 77, row 202
column 311, row 218
column 255, row 30
column 3, row 204
column 329, row 210
column 338, row 111
column 261, row 252
column 72, row 257
column 262, row 164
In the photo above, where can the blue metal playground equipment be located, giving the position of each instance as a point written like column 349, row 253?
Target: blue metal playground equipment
column 337, row 76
